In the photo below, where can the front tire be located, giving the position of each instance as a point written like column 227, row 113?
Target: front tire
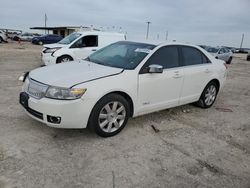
column 64, row 58
column 1, row 40
column 109, row 116
column 208, row 95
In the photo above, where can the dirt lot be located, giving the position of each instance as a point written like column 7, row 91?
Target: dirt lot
column 193, row 147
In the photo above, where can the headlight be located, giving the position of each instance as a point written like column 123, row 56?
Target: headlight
column 64, row 93
column 51, row 50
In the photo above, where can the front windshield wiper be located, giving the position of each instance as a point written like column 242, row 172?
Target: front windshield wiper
column 90, row 60
column 102, row 63
column 87, row 59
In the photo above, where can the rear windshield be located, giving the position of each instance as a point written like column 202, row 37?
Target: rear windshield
column 70, row 38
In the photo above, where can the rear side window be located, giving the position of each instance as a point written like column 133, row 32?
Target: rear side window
column 191, row 56
column 167, row 56
column 205, row 59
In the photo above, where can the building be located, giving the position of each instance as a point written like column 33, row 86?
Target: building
column 63, row 30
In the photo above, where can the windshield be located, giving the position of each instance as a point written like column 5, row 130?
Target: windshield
column 213, row 50
column 126, row 55
column 70, row 38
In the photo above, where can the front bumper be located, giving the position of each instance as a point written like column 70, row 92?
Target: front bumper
column 73, row 113
column 48, row 59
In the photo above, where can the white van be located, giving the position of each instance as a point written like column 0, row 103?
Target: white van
column 78, row 45
column 3, row 36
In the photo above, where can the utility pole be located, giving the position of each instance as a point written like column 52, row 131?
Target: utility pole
column 241, row 41
column 45, row 22
column 147, row 29
column 167, row 35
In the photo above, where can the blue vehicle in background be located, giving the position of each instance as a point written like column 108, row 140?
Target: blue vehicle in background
column 46, row 39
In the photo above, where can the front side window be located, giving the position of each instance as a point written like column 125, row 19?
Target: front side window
column 222, row 51
column 126, row 55
column 167, row 57
column 226, row 50
column 191, row 56
column 86, row 41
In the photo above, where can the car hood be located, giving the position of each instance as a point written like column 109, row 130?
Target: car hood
column 71, row 73
column 55, row 45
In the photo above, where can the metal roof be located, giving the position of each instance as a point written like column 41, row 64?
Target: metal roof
column 60, row 27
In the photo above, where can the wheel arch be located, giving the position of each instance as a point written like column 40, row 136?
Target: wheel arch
column 126, row 96
column 216, row 81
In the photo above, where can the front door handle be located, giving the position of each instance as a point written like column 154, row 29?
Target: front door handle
column 94, row 50
column 177, row 74
column 207, row 71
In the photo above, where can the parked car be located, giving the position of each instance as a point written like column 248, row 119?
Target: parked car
column 221, row 53
column 248, row 57
column 46, row 39
column 3, row 36
column 27, row 36
column 122, row 80
column 78, row 45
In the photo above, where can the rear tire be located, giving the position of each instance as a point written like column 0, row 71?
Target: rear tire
column 229, row 60
column 109, row 116
column 208, row 95
column 1, row 40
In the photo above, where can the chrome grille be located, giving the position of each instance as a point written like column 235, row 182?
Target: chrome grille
column 36, row 89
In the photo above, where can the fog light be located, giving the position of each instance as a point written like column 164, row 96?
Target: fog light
column 54, row 119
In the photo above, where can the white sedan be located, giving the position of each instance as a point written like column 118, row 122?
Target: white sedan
column 221, row 53
column 122, row 80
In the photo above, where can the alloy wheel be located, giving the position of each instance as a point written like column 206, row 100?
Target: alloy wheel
column 112, row 116
column 65, row 59
column 210, row 95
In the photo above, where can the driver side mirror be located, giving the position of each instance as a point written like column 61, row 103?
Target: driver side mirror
column 155, row 68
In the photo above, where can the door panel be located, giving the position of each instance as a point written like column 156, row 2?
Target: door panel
column 81, row 53
column 197, row 71
column 85, row 46
column 159, row 91
column 195, row 79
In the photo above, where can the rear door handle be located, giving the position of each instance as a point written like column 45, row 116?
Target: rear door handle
column 94, row 50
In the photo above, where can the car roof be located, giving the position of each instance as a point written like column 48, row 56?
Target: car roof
column 165, row 43
column 100, row 33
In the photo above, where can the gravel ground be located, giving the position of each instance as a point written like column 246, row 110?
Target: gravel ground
column 191, row 147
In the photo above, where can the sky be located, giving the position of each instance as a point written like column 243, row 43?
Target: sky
column 209, row 22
